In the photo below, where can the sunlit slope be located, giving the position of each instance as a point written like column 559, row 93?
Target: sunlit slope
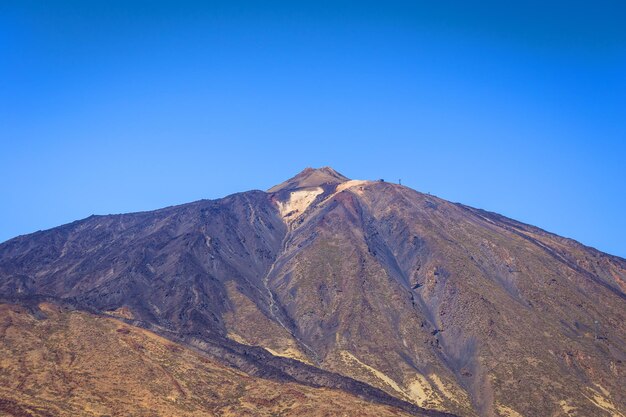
column 64, row 363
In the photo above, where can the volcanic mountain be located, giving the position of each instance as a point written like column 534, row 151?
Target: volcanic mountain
column 365, row 295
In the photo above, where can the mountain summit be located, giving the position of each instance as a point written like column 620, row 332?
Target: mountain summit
column 322, row 285
column 311, row 177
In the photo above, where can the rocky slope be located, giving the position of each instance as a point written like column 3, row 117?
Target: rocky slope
column 365, row 286
column 58, row 362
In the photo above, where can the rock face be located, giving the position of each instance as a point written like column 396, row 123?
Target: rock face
column 371, row 287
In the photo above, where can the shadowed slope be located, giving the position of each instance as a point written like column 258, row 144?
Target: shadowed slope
column 170, row 267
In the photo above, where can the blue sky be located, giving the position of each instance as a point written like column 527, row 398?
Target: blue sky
column 119, row 106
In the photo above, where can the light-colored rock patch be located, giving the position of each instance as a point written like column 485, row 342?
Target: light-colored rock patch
column 505, row 411
column 566, row 407
column 123, row 312
column 422, row 392
column 237, row 338
column 297, row 203
column 600, row 398
column 349, row 184
column 290, row 353
column 419, row 390
column 351, row 359
column 441, row 386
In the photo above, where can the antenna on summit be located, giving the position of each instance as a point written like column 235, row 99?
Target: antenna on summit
column 400, row 181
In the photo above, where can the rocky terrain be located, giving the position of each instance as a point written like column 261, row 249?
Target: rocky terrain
column 58, row 362
column 324, row 285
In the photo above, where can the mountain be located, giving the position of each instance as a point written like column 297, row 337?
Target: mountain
column 365, row 287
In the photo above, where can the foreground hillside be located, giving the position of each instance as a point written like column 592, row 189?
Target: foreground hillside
column 367, row 287
column 69, row 363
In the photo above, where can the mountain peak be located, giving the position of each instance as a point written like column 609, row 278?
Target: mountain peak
column 311, row 177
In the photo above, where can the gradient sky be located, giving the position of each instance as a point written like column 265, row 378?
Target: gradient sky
column 117, row 106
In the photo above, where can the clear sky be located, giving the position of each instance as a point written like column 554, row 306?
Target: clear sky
column 117, row 106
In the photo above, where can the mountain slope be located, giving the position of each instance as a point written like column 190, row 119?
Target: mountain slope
column 57, row 362
column 437, row 304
